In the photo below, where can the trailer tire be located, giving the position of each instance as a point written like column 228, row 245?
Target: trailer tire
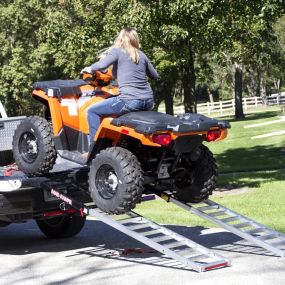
column 198, row 181
column 6, row 157
column 115, row 180
column 4, row 224
column 62, row 226
column 33, row 146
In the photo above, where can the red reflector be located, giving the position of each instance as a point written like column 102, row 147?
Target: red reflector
column 162, row 139
column 58, row 213
column 124, row 131
column 216, row 266
column 212, row 135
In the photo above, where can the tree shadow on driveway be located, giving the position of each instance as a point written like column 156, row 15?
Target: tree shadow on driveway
column 99, row 239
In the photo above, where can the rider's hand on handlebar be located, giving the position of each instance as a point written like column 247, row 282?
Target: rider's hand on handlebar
column 86, row 69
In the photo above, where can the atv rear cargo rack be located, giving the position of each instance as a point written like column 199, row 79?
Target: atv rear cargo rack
column 149, row 122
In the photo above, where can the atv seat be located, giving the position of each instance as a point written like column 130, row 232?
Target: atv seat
column 149, row 122
column 59, row 88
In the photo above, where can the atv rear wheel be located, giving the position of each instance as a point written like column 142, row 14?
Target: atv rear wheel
column 33, row 146
column 115, row 180
column 6, row 157
column 198, row 179
column 62, row 226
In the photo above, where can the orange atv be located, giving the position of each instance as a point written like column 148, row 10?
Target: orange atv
column 131, row 153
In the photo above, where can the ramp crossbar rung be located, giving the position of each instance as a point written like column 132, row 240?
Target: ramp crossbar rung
column 267, row 237
column 242, row 225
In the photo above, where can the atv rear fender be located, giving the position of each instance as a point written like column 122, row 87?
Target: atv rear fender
column 108, row 131
column 144, row 125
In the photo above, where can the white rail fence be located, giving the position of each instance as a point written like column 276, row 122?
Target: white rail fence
column 228, row 106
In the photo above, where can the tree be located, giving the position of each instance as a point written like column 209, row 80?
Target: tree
column 246, row 30
column 43, row 40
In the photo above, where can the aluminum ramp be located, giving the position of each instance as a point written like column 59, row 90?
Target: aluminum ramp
column 236, row 223
column 185, row 251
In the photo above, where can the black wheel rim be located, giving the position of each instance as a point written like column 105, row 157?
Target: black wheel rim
column 106, row 181
column 28, row 147
column 184, row 179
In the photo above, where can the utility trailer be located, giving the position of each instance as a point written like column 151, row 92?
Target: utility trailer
column 65, row 195
column 22, row 199
column 7, row 128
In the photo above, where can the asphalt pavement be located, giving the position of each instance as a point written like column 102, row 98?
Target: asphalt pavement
column 95, row 257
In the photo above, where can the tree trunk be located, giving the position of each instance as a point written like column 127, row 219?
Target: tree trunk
column 188, row 83
column 164, row 93
column 169, row 102
column 253, row 85
column 263, row 90
column 238, row 91
column 211, row 97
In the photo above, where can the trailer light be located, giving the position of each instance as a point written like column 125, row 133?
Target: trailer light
column 162, row 139
column 212, row 135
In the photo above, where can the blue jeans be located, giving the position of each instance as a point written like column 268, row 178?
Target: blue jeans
column 113, row 106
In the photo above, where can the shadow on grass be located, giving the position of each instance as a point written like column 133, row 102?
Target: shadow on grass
column 262, row 157
column 253, row 116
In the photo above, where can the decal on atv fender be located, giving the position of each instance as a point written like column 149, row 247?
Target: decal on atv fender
column 71, row 105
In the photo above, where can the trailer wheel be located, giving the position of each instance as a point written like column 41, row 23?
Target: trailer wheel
column 6, row 157
column 62, row 226
column 4, row 224
column 33, row 146
column 115, row 180
column 198, row 179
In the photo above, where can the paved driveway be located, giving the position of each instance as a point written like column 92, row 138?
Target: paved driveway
column 27, row 257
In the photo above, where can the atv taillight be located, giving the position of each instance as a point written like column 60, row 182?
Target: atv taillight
column 212, row 135
column 162, row 139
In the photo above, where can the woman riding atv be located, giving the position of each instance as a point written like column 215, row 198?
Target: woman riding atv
column 131, row 68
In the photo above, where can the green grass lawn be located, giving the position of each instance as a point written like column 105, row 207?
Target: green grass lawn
column 239, row 152
column 264, row 200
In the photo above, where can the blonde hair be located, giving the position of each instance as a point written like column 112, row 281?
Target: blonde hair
column 128, row 40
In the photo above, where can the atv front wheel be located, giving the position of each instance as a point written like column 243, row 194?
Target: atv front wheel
column 197, row 180
column 33, row 146
column 62, row 226
column 115, row 180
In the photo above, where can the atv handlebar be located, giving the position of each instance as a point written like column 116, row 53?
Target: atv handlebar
column 104, row 71
column 98, row 78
